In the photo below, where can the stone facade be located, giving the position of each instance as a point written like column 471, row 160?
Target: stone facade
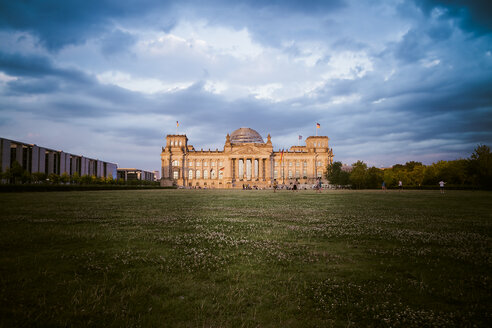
column 245, row 160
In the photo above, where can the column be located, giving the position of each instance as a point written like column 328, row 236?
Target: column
column 35, row 159
column 5, row 154
column 253, row 176
column 18, row 154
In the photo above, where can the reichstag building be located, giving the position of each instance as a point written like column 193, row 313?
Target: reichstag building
column 246, row 160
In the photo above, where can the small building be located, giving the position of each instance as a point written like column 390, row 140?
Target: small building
column 34, row 159
column 133, row 174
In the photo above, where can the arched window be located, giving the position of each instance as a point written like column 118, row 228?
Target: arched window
column 172, row 143
column 212, row 174
column 198, row 174
column 180, row 143
column 205, row 174
column 190, row 174
column 175, row 174
column 221, row 174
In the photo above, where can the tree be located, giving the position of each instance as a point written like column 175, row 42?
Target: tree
column 75, row 178
column 336, row 175
column 38, row 177
column 374, row 178
column 54, row 178
column 65, row 178
column 16, row 172
column 358, row 175
column 480, row 166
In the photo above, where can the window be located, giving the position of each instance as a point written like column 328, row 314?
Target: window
column 212, row 174
column 275, row 174
column 175, row 163
column 290, row 164
column 190, row 163
column 221, row 174
column 190, row 174
column 220, row 163
column 212, row 164
column 198, row 175
column 180, row 142
column 175, row 174
column 198, row 163
column 205, row 174
column 305, row 163
column 172, row 143
column 319, row 173
column 205, row 164
column 298, row 174
column 304, row 173
column 276, row 164
column 290, row 174
column 298, row 163
column 319, row 164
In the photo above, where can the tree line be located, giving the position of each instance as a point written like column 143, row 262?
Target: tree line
column 474, row 172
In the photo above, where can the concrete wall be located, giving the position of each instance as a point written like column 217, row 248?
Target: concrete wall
column 100, row 169
column 51, row 162
column 35, row 159
column 5, row 154
column 41, row 161
column 18, row 154
column 62, row 162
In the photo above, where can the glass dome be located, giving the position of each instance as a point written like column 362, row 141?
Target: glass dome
column 246, row 135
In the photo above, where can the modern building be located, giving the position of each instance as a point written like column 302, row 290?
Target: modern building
column 133, row 174
column 35, row 159
column 245, row 160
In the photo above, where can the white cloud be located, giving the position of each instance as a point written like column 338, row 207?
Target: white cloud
column 428, row 63
column 348, row 65
column 7, row 78
column 144, row 85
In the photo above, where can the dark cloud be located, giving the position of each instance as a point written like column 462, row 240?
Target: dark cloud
column 30, row 86
column 60, row 23
column 37, row 67
column 473, row 15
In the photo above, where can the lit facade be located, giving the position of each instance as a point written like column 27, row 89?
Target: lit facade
column 245, row 160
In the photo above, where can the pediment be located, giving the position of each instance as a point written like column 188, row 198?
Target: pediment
column 250, row 150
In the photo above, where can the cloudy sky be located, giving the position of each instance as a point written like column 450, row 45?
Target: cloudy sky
column 389, row 81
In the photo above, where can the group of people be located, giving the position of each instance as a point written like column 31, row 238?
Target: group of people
column 295, row 186
column 400, row 186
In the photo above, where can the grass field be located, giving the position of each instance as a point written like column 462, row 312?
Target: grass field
column 206, row 258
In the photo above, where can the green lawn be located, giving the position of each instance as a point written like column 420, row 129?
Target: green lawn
column 209, row 258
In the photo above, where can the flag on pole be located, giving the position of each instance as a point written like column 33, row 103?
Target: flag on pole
column 300, row 137
column 221, row 169
column 281, row 155
column 177, row 124
column 318, row 125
